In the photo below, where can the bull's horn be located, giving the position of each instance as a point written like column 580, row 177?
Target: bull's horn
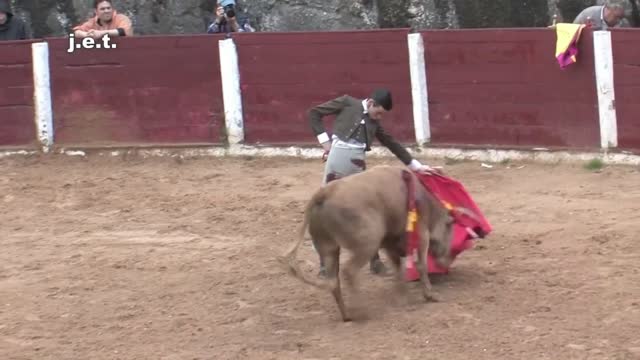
column 468, row 212
column 472, row 233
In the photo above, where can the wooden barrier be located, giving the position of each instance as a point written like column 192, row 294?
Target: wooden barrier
column 282, row 75
column 17, row 126
column 504, row 88
column 626, row 70
column 149, row 90
column 481, row 88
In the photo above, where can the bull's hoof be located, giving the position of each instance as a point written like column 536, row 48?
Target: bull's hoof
column 378, row 268
column 322, row 273
column 430, row 298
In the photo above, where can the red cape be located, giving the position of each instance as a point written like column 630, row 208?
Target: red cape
column 451, row 191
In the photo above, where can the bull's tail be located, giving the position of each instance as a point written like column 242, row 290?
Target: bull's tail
column 289, row 258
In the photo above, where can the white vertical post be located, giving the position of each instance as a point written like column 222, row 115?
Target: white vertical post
column 42, row 94
column 420, row 98
column 603, row 58
column 231, row 94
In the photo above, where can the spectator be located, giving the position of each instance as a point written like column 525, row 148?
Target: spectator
column 602, row 17
column 12, row 27
column 225, row 24
column 106, row 21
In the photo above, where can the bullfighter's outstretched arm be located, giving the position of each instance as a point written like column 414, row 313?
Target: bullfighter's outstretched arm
column 399, row 151
column 395, row 147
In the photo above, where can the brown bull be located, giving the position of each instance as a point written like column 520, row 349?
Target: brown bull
column 365, row 212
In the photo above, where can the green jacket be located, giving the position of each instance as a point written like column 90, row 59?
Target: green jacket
column 349, row 113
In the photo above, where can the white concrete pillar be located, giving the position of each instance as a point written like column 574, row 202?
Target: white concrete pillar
column 42, row 94
column 419, row 93
column 231, row 93
column 603, row 63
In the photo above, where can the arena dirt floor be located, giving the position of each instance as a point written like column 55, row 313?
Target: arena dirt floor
column 129, row 258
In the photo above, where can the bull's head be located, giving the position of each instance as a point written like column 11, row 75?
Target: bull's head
column 442, row 234
column 440, row 240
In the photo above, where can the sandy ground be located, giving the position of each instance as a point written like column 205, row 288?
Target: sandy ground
column 112, row 258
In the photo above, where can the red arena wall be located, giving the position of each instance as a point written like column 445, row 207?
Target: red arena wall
column 282, row 75
column 152, row 90
column 487, row 88
column 626, row 76
column 504, row 88
column 17, row 124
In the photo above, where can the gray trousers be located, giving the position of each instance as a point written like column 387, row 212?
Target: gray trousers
column 343, row 160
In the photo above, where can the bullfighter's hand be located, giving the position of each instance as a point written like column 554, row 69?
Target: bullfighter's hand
column 426, row 169
column 327, row 147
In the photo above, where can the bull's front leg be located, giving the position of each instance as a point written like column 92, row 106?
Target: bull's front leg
column 423, row 267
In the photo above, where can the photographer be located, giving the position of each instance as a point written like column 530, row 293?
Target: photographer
column 227, row 19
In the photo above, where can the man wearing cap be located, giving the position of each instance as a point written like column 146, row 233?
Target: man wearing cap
column 357, row 123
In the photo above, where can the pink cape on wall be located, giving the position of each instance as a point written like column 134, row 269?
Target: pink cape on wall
column 567, row 38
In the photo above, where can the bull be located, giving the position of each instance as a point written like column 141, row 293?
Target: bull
column 363, row 213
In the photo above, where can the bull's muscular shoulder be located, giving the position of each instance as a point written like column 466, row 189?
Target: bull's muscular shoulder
column 386, row 168
column 379, row 173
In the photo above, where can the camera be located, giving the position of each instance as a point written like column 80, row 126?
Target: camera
column 229, row 7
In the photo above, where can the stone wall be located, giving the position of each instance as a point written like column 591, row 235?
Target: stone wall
column 56, row 17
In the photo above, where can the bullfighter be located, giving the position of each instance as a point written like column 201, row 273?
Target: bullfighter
column 357, row 122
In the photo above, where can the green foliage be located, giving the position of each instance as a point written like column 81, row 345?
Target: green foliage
column 40, row 11
column 569, row 9
column 594, row 165
column 442, row 7
column 502, row 13
column 393, row 14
